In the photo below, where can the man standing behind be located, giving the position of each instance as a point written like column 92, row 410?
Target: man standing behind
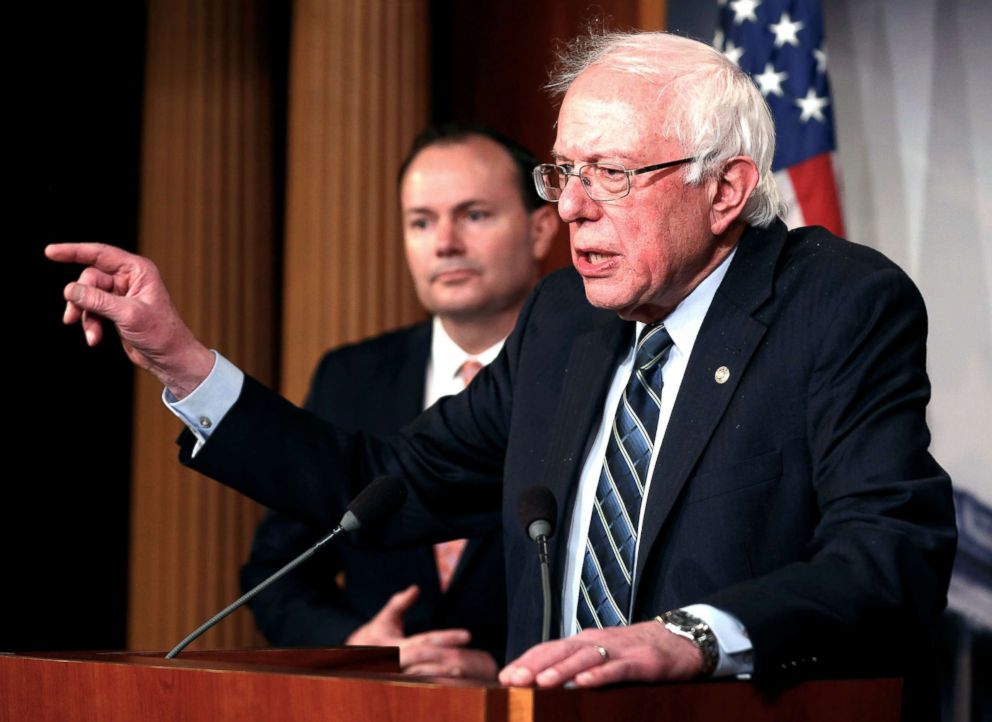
column 475, row 231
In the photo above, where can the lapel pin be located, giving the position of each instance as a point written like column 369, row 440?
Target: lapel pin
column 721, row 375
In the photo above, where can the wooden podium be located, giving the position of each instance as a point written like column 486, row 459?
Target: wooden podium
column 362, row 684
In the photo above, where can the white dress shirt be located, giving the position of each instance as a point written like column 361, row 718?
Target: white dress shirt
column 446, row 360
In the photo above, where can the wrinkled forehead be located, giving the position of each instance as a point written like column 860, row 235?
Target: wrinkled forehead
column 612, row 114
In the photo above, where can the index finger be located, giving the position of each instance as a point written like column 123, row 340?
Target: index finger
column 105, row 257
column 439, row 638
column 423, row 654
column 523, row 671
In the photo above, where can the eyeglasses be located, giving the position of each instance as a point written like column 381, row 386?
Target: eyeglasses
column 601, row 181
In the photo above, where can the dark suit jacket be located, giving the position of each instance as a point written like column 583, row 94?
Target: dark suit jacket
column 798, row 495
column 376, row 386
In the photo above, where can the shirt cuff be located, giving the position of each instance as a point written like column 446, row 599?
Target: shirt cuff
column 209, row 402
column 736, row 651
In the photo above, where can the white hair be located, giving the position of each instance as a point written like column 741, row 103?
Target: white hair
column 718, row 113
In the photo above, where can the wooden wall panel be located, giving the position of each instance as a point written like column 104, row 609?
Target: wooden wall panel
column 359, row 92
column 500, row 81
column 205, row 219
column 652, row 14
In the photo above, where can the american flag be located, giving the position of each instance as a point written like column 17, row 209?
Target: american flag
column 780, row 44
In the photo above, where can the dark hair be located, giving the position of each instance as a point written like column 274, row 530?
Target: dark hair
column 453, row 133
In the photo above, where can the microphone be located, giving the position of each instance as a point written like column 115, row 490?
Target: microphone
column 538, row 512
column 377, row 501
column 380, row 499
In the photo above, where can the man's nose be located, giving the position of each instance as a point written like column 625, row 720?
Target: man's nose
column 575, row 204
column 448, row 241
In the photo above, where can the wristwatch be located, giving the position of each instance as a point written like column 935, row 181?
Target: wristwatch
column 696, row 631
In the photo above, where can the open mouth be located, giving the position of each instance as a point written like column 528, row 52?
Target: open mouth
column 594, row 262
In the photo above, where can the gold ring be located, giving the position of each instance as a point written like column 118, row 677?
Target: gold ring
column 602, row 652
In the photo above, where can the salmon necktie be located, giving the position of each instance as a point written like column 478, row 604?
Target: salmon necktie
column 447, row 554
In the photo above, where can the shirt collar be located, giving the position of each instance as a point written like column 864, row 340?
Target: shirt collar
column 684, row 322
column 447, row 356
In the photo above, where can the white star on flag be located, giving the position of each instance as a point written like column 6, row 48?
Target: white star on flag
column 812, row 106
column 744, row 10
column 769, row 81
column 785, row 53
column 718, row 40
column 821, row 59
column 785, row 31
column 733, row 52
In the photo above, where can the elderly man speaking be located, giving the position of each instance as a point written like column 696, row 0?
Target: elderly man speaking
column 730, row 415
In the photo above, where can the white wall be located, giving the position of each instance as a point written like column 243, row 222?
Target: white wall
column 912, row 82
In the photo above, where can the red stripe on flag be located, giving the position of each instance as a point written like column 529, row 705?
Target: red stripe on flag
column 816, row 193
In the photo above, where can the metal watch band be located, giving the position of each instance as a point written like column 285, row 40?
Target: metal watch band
column 696, row 631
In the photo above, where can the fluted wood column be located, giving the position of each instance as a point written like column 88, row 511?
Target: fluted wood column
column 359, row 92
column 206, row 220
column 652, row 14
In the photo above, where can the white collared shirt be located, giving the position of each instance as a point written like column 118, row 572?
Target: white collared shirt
column 446, row 360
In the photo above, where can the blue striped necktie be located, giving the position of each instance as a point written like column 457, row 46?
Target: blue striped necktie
column 608, row 566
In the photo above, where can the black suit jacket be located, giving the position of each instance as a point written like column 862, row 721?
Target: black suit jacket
column 375, row 386
column 799, row 495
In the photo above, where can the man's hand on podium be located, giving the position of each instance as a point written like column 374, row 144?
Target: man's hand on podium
column 440, row 652
column 592, row 658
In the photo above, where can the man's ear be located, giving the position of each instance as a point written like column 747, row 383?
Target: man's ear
column 544, row 225
column 731, row 189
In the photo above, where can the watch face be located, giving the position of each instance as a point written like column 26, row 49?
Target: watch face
column 684, row 619
column 697, row 631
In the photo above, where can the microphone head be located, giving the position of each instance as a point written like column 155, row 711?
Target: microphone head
column 538, row 511
column 380, row 499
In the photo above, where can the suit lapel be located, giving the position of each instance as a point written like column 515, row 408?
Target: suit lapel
column 411, row 375
column 727, row 339
column 593, row 358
